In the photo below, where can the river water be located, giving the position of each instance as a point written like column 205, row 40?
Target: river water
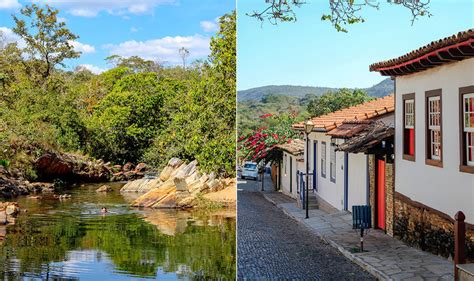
column 71, row 240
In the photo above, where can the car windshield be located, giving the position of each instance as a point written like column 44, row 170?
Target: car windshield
column 250, row 166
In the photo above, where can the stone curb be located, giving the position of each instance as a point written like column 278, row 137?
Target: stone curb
column 372, row 270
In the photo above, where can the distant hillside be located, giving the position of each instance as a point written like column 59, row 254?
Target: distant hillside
column 379, row 90
column 255, row 102
column 284, row 90
column 382, row 89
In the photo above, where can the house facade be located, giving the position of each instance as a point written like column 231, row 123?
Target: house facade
column 339, row 178
column 291, row 163
column 434, row 139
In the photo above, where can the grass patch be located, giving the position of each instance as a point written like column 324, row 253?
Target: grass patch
column 204, row 203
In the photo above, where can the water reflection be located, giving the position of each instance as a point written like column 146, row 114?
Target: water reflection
column 71, row 240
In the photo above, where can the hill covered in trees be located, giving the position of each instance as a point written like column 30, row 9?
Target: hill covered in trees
column 385, row 87
column 295, row 100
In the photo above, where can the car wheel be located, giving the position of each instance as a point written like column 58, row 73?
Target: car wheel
column 242, row 177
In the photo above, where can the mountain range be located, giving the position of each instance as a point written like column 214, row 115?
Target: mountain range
column 381, row 89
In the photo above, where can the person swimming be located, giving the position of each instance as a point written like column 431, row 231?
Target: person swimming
column 104, row 210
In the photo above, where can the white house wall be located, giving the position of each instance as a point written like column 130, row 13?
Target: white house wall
column 333, row 193
column 285, row 177
column 357, row 180
column 445, row 189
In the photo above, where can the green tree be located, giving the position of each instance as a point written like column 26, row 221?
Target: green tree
column 332, row 101
column 125, row 122
column 202, row 124
column 134, row 63
column 46, row 38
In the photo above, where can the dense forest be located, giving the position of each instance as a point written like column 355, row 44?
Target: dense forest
column 139, row 110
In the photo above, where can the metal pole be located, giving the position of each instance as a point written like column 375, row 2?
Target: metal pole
column 307, row 170
column 263, row 177
column 459, row 241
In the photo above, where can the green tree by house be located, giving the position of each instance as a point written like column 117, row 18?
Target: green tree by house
column 333, row 101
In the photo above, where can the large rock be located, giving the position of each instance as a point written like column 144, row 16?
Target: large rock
column 12, row 210
column 104, row 188
column 155, row 195
column 175, row 162
column 215, row 185
column 141, row 167
column 127, row 167
column 187, row 202
column 141, row 185
column 178, row 186
column 166, row 202
column 8, row 212
column 52, row 165
column 166, row 173
column 180, row 183
column 11, row 187
column 188, row 169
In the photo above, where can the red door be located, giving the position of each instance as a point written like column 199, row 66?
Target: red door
column 381, row 194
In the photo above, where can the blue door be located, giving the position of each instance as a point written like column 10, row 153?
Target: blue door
column 315, row 161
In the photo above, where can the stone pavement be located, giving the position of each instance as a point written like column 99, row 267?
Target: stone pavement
column 386, row 257
column 273, row 246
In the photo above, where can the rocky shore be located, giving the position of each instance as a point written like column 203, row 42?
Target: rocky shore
column 68, row 168
column 180, row 185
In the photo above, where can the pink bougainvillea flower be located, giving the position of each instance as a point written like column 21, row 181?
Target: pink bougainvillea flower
column 264, row 116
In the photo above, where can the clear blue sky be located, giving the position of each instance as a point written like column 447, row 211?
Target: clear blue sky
column 153, row 29
column 311, row 52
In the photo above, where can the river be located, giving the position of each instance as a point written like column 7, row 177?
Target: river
column 71, row 240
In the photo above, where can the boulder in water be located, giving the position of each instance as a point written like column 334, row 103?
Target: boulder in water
column 141, row 167
column 104, row 188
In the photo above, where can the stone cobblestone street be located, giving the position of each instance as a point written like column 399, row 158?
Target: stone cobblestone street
column 272, row 246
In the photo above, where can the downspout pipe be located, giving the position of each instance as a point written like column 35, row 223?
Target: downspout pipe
column 346, row 180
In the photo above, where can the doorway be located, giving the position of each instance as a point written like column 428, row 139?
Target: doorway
column 380, row 193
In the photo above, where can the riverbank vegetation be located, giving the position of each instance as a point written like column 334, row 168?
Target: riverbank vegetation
column 139, row 110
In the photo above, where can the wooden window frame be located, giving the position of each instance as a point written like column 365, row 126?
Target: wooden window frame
column 405, row 97
column 332, row 150
column 463, row 167
column 323, row 159
column 428, row 158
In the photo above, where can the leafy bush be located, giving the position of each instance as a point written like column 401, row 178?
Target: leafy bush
column 4, row 163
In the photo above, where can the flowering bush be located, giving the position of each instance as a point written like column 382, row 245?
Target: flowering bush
column 258, row 145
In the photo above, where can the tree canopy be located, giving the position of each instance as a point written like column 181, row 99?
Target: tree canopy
column 333, row 101
column 46, row 38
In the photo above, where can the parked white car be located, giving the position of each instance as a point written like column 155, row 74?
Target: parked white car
column 250, row 170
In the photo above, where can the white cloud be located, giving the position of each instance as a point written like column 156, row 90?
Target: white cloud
column 133, row 29
column 83, row 48
column 8, row 36
column 210, row 26
column 92, row 68
column 9, row 4
column 61, row 19
column 164, row 49
column 91, row 8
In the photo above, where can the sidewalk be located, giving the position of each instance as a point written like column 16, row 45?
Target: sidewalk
column 386, row 257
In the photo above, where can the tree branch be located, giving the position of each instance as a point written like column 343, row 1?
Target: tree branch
column 343, row 12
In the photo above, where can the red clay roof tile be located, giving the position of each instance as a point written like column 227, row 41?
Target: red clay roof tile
column 365, row 111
